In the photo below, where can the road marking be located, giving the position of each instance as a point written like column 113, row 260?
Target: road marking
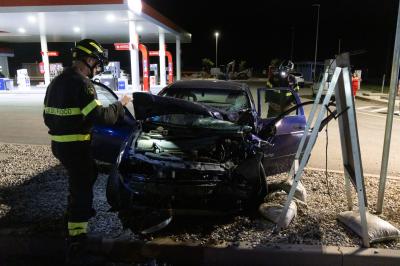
column 379, row 116
column 366, row 107
column 379, row 110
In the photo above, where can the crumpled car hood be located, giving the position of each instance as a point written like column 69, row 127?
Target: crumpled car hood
column 148, row 105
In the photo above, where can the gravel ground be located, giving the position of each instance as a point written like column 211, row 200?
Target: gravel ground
column 33, row 189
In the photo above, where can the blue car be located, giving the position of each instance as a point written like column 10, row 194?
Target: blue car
column 198, row 146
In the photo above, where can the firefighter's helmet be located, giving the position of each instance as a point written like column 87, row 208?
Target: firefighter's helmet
column 90, row 48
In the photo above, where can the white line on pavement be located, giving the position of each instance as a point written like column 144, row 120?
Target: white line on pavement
column 366, row 107
column 379, row 110
column 379, row 116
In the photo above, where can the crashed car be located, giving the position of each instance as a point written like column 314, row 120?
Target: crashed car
column 198, row 145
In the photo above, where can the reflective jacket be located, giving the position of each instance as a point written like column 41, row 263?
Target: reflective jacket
column 277, row 81
column 71, row 108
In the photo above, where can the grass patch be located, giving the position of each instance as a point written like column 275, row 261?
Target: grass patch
column 374, row 88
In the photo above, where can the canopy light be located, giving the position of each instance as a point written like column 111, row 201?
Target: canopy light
column 135, row 6
column 32, row 19
column 110, row 18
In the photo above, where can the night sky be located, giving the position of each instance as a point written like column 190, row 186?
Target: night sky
column 257, row 31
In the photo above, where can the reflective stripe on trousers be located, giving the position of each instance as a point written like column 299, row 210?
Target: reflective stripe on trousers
column 75, row 229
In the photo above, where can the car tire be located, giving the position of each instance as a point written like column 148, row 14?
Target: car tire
column 116, row 196
column 113, row 188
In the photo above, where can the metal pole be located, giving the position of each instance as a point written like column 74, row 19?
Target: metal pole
column 134, row 52
column 161, row 47
column 292, row 47
column 316, row 42
column 340, row 41
column 43, row 45
column 216, row 49
column 383, row 82
column 178, row 58
column 389, row 117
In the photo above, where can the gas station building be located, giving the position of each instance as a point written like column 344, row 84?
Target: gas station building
column 118, row 22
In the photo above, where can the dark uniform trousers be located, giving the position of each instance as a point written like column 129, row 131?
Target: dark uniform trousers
column 76, row 157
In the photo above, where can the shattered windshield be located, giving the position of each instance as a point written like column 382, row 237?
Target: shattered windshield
column 226, row 100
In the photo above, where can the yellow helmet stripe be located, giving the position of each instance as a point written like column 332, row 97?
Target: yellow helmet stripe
column 97, row 47
column 84, row 49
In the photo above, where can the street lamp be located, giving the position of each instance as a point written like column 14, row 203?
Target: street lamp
column 316, row 40
column 216, row 48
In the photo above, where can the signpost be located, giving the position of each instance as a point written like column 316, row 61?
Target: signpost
column 340, row 85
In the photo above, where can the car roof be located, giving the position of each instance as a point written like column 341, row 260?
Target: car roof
column 208, row 84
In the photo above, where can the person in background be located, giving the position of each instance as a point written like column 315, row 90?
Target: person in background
column 355, row 83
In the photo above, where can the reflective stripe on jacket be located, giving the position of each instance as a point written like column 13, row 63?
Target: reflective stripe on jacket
column 71, row 108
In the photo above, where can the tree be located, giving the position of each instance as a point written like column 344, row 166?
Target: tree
column 207, row 64
column 242, row 65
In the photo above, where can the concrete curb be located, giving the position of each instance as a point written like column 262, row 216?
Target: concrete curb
column 11, row 246
column 369, row 99
column 304, row 255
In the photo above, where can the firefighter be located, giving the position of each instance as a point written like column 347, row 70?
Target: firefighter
column 283, row 78
column 70, row 110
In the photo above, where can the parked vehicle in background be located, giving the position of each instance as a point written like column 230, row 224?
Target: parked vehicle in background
column 299, row 78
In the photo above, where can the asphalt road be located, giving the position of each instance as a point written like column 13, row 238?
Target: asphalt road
column 21, row 122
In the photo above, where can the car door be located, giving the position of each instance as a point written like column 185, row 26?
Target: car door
column 289, row 130
column 107, row 140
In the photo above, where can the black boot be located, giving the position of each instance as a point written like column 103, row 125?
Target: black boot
column 80, row 252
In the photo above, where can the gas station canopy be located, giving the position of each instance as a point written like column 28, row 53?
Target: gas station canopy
column 70, row 20
column 130, row 22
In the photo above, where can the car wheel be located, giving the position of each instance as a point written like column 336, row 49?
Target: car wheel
column 117, row 197
column 112, row 190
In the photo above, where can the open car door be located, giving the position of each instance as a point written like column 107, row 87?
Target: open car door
column 289, row 130
column 107, row 141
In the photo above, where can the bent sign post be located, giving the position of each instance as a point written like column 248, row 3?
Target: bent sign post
column 341, row 86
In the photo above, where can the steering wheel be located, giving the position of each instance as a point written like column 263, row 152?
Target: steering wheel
column 187, row 95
